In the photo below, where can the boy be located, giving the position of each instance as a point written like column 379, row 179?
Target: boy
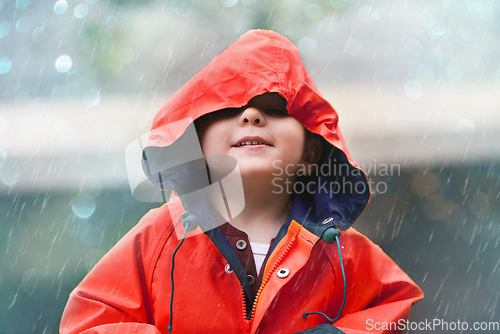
column 277, row 266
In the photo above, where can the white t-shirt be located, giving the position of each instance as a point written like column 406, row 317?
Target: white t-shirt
column 259, row 254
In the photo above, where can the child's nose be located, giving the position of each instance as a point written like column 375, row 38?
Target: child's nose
column 252, row 116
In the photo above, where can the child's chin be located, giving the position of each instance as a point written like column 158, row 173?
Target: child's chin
column 256, row 172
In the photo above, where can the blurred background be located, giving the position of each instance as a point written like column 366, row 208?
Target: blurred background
column 416, row 84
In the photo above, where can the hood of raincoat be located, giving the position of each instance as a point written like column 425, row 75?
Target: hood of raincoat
column 259, row 62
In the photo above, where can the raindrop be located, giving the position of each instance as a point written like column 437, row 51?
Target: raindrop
column 63, row 63
column 5, row 65
column 1, row 280
column 70, row 227
column 39, row 34
column 307, row 45
column 83, row 207
column 91, row 235
column 4, row 29
column 81, row 10
column 14, row 235
column 92, row 257
column 479, row 204
column 229, row 3
column 494, row 283
column 30, row 280
column 438, row 207
column 60, row 7
column 22, row 4
column 467, row 232
column 413, row 89
column 91, row 97
column 13, row 302
column 425, row 183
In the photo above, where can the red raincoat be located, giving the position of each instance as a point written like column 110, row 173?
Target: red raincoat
column 129, row 290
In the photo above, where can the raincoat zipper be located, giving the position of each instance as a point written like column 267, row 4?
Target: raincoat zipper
column 248, row 323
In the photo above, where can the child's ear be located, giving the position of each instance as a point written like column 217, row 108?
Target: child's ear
column 312, row 152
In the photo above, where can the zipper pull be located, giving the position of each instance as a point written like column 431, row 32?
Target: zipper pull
column 247, row 324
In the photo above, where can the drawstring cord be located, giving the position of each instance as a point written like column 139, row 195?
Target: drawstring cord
column 345, row 287
column 186, row 224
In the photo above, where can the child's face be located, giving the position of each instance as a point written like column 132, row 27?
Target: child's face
column 261, row 136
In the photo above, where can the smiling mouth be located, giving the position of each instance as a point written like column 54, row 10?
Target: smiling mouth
column 250, row 143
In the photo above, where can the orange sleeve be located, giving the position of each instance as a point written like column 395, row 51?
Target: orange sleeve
column 379, row 293
column 115, row 295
